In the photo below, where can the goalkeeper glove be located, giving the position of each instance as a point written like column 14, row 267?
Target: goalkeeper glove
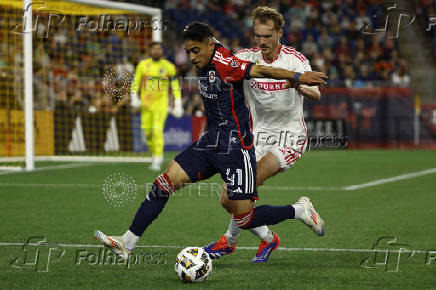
column 178, row 109
column 135, row 102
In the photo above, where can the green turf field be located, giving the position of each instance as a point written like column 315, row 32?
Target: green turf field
column 65, row 205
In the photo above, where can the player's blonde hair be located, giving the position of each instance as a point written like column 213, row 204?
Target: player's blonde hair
column 265, row 13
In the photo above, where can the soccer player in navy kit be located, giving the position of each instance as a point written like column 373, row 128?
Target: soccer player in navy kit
column 225, row 148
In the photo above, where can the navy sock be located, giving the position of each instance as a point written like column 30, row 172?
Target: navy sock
column 149, row 210
column 265, row 215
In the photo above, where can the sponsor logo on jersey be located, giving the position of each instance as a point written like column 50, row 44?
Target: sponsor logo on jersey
column 268, row 86
column 234, row 63
column 212, row 76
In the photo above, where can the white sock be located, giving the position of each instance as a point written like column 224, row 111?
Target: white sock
column 299, row 210
column 264, row 233
column 232, row 233
column 130, row 240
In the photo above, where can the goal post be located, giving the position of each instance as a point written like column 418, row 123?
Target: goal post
column 57, row 57
column 28, row 83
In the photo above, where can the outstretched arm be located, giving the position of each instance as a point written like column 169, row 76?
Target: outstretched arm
column 312, row 93
column 308, row 78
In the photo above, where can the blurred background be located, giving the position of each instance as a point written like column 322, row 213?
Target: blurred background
column 367, row 167
column 379, row 56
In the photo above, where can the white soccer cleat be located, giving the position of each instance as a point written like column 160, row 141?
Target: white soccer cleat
column 113, row 243
column 311, row 217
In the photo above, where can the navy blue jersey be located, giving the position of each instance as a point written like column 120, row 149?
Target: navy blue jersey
column 221, row 87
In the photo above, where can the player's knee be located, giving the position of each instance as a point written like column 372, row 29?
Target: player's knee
column 227, row 207
column 224, row 200
column 267, row 167
column 241, row 207
column 177, row 175
column 259, row 179
column 171, row 171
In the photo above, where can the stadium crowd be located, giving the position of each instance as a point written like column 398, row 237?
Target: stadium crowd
column 426, row 14
column 70, row 67
column 328, row 34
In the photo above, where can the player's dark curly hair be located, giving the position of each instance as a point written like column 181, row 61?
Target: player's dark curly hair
column 197, row 31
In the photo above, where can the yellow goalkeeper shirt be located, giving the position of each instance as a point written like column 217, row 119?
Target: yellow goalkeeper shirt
column 153, row 78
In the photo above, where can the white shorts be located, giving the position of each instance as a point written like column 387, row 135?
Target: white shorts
column 287, row 149
column 286, row 155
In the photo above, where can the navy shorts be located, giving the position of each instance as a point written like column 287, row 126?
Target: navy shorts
column 237, row 168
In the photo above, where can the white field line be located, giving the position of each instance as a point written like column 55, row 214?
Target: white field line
column 55, row 185
column 46, row 168
column 73, row 185
column 270, row 187
column 84, row 158
column 391, row 179
column 285, row 188
column 352, row 250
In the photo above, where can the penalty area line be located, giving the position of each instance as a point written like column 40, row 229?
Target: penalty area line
column 352, row 250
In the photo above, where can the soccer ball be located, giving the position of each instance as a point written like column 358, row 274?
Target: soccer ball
column 193, row 265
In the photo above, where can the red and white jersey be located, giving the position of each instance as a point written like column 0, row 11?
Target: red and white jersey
column 277, row 112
